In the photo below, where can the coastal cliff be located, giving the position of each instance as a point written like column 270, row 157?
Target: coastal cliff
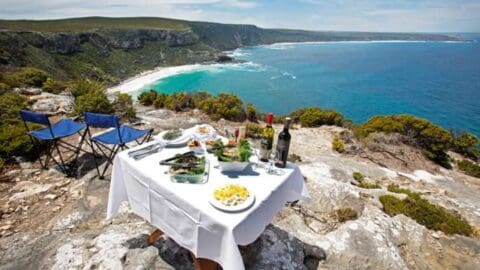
column 110, row 49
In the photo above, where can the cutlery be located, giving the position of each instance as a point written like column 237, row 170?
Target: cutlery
column 189, row 153
column 146, row 148
column 148, row 153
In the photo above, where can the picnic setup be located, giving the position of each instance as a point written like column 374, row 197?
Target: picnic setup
column 209, row 193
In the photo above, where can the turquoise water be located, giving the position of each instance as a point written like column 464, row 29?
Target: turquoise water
column 439, row 81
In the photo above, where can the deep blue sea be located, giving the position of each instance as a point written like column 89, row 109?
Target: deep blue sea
column 439, row 81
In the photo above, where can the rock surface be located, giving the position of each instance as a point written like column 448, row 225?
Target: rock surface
column 52, row 222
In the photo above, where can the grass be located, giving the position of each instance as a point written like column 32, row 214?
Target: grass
column 338, row 145
column 432, row 216
column 93, row 23
column 345, row 214
column 358, row 176
column 367, row 185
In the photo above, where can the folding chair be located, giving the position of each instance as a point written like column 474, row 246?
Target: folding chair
column 53, row 135
column 118, row 136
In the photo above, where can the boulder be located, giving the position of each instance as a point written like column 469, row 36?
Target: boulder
column 28, row 91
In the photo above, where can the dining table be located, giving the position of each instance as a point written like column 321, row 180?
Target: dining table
column 185, row 212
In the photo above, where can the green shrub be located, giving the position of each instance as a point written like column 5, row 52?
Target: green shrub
column 179, row 101
column 227, row 106
column 469, row 168
column 368, row 185
column 338, row 145
column 199, row 98
column 432, row 216
column 434, row 140
column 53, row 86
column 13, row 138
column 26, row 76
column 358, row 176
column 159, row 101
column 94, row 101
column 253, row 130
column 466, row 144
column 85, row 86
column 4, row 88
column 315, row 117
column 147, row 98
column 345, row 214
column 251, row 112
column 123, row 106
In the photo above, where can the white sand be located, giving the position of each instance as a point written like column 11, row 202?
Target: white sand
column 148, row 77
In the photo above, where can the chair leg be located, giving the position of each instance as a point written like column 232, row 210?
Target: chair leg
column 63, row 166
column 95, row 158
column 110, row 159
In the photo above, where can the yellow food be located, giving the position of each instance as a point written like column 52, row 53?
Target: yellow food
column 231, row 195
column 203, row 130
column 193, row 144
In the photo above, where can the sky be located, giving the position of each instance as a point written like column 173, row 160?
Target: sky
column 342, row 15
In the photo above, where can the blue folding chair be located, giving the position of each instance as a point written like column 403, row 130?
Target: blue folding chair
column 53, row 135
column 118, row 136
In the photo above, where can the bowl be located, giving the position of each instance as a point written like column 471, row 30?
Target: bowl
column 233, row 166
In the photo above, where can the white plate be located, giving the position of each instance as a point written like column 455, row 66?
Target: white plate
column 178, row 142
column 237, row 208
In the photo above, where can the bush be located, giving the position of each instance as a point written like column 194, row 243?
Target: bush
column 254, row 130
column 179, row 102
column 4, row 88
column 147, row 98
column 345, row 214
column 367, row 185
column 358, row 176
column 85, row 86
column 315, row 117
column 251, row 112
column 338, row 145
column 26, row 76
column 13, row 138
column 227, row 106
column 469, row 168
column 432, row 216
column 94, row 101
column 159, row 101
column 434, row 140
column 466, row 144
column 53, row 86
column 123, row 106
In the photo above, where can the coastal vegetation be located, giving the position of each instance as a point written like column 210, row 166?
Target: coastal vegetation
column 338, row 145
column 432, row 216
column 469, row 168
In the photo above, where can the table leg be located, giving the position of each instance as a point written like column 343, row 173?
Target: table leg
column 152, row 238
column 203, row 264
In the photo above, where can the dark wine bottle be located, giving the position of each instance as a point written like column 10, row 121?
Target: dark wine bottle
column 266, row 142
column 283, row 144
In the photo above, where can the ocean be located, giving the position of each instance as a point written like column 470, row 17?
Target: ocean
column 439, row 81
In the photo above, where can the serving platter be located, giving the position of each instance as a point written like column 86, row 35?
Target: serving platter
column 231, row 209
column 178, row 142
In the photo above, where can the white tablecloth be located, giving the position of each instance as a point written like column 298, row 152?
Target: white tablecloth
column 183, row 212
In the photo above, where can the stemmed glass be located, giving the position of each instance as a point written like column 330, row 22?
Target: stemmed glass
column 272, row 158
column 256, row 148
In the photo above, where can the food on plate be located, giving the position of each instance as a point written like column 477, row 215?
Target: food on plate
column 172, row 134
column 204, row 130
column 231, row 195
column 188, row 165
column 194, row 144
column 232, row 153
column 210, row 144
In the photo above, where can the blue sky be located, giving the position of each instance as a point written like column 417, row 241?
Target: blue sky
column 358, row 15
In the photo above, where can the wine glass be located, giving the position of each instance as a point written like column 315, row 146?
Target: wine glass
column 255, row 149
column 272, row 158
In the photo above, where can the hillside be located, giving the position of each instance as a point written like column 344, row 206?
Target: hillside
column 110, row 49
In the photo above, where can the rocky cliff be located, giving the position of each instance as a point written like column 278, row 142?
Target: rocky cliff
column 115, row 48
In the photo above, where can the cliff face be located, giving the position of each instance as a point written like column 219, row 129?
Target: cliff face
column 105, row 52
column 115, row 48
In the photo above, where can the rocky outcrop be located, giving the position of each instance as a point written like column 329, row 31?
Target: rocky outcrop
column 51, row 222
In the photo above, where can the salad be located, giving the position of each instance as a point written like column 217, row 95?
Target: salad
column 232, row 153
column 172, row 134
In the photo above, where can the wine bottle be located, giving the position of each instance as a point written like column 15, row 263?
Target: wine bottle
column 266, row 142
column 283, row 144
